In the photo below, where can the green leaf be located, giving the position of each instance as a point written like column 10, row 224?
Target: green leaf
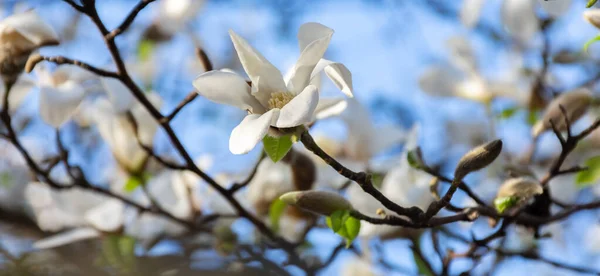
column 352, row 227
column 118, row 252
column 591, row 175
column 135, row 181
column 277, row 147
column 145, row 49
column 377, row 179
column 508, row 112
column 590, row 3
column 415, row 158
column 532, row 117
column 504, row 203
column 6, row 179
column 421, row 265
column 337, row 219
column 590, row 42
column 275, row 211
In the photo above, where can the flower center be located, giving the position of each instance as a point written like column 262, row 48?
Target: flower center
column 280, row 99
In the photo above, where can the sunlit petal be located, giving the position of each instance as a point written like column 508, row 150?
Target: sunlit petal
column 227, row 88
column 310, row 55
column 300, row 109
column 57, row 105
column 337, row 73
column 251, row 131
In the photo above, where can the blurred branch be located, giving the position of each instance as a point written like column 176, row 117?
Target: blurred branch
column 236, row 186
column 35, row 59
column 188, row 99
column 128, row 20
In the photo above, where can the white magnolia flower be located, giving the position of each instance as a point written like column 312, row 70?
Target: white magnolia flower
column 461, row 78
column 271, row 102
column 18, row 92
column 270, row 182
column 61, row 92
column 118, row 132
column 20, row 34
column 470, row 12
column 174, row 14
column 519, row 19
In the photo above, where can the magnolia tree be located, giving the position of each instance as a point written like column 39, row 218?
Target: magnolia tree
column 464, row 215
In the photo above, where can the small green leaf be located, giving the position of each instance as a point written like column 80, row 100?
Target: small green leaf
column 591, row 175
column 337, row 219
column 504, row 203
column 6, row 179
column 508, row 112
column 590, row 3
column 119, row 252
column 532, row 117
column 352, row 227
column 135, row 181
column 377, row 179
column 277, row 147
column 590, row 42
column 421, row 266
column 415, row 158
column 275, row 211
column 145, row 49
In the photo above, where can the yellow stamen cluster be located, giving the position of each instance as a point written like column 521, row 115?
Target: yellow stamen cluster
column 280, row 99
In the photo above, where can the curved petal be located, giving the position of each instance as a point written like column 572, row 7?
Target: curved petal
column 67, row 237
column 57, row 105
column 385, row 138
column 470, row 12
column 461, row 54
column 18, row 92
column 330, row 107
column 311, row 31
column 440, row 81
column 556, row 8
column 107, row 217
column 310, row 55
column 257, row 66
column 31, row 26
column 227, row 88
column 250, row 131
column 118, row 94
column 337, row 73
column 519, row 18
column 300, row 110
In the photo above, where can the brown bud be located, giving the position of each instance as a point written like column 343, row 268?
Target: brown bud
column 304, row 171
column 575, row 104
column 320, row 202
column 32, row 61
column 522, row 188
column 593, row 17
column 478, row 158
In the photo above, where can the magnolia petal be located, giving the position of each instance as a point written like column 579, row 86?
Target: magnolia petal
column 461, row 54
column 440, row 81
column 107, row 217
column 386, row 137
column 227, row 88
column 57, row 105
column 257, row 66
column 470, row 12
column 146, row 124
column 118, row 94
column 519, row 18
column 250, row 131
column 31, row 26
column 18, row 92
column 330, row 107
column 555, row 8
column 310, row 56
column 300, row 109
column 71, row 236
column 72, row 72
column 310, row 32
column 337, row 73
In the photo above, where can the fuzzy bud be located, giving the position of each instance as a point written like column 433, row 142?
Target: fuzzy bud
column 520, row 187
column 593, row 17
column 33, row 60
column 478, row 158
column 575, row 104
column 320, row 202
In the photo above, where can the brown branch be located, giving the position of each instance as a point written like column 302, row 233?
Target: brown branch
column 64, row 60
column 361, row 178
column 462, row 185
column 236, row 186
column 188, row 99
column 128, row 20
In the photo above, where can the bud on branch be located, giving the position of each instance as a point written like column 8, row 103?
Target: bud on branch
column 320, row 202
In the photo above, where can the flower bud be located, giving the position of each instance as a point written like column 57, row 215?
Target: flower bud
column 478, row 158
column 593, row 17
column 520, row 187
column 515, row 192
column 575, row 104
column 320, row 202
